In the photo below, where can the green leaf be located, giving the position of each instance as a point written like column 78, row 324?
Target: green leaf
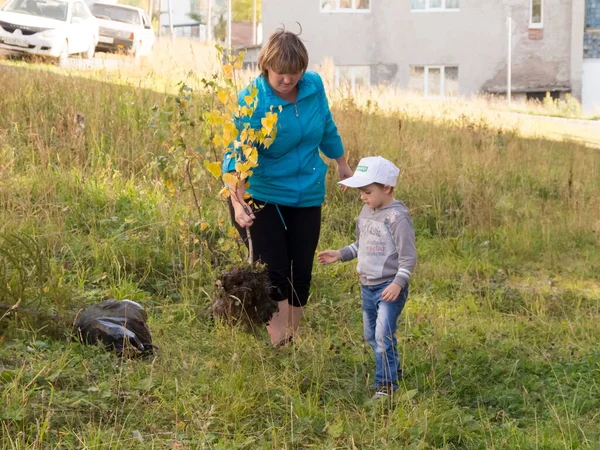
column 144, row 384
column 13, row 413
column 8, row 375
column 410, row 394
column 335, row 429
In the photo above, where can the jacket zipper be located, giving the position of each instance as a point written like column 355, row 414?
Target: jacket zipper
column 296, row 110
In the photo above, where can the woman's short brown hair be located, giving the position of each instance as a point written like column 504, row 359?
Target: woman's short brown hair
column 284, row 52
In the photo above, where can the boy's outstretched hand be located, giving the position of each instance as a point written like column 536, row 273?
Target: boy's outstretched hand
column 391, row 292
column 329, row 256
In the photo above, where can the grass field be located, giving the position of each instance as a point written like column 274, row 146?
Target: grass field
column 499, row 338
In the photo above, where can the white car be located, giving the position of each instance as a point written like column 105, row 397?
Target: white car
column 123, row 28
column 55, row 28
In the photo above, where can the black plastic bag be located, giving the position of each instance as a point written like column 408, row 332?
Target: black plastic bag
column 119, row 325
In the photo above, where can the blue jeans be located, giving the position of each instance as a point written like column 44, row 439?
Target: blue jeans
column 380, row 319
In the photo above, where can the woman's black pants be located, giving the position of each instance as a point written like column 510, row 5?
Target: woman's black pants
column 285, row 238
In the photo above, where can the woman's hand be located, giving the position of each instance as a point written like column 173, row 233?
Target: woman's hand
column 329, row 256
column 344, row 170
column 243, row 214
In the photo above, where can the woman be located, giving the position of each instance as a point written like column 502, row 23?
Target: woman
column 288, row 186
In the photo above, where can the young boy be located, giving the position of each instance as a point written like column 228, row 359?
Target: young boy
column 385, row 247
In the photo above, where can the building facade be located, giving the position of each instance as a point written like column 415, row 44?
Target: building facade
column 450, row 47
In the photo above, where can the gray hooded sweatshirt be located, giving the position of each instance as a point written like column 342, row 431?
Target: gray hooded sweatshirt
column 385, row 245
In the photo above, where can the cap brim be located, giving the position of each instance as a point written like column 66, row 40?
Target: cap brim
column 355, row 182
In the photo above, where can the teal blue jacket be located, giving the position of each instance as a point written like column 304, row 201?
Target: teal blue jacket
column 291, row 172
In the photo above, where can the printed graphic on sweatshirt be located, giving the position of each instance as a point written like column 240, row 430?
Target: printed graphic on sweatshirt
column 375, row 244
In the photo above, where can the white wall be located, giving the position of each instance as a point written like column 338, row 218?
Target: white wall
column 591, row 86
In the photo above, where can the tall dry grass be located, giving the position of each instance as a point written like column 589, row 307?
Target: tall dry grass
column 499, row 337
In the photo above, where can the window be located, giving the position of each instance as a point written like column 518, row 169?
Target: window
column 537, row 11
column 146, row 20
column 434, row 5
column 349, row 77
column 345, row 5
column 434, row 81
column 80, row 11
column 50, row 9
column 116, row 12
column 592, row 16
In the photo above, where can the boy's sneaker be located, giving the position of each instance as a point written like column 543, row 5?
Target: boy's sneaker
column 383, row 392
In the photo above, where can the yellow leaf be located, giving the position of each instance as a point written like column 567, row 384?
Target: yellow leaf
column 250, row 136
column 267, row 142
column 232, row 233
column 203, row 226
column 224, row 193
column 218, row 141
column 238, row 64
column 230, row 179
column 228, row 71
column 244, row 166
column 253, row 157
column 213, row 118
column 214, row 168
column 230, row 132
column 223, row 96
column 268, row 122
column 232, row 107
column 250, row 99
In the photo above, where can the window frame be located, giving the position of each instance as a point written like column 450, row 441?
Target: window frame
column 79, row 11
column 442, row 69
column 429, row 9
column 531, row 23
column 338, row 10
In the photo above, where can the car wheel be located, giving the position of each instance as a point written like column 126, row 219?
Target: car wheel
column 63, row 56
column 92, row 50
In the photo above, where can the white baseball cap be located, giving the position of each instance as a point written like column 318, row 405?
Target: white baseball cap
column 373, row 169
